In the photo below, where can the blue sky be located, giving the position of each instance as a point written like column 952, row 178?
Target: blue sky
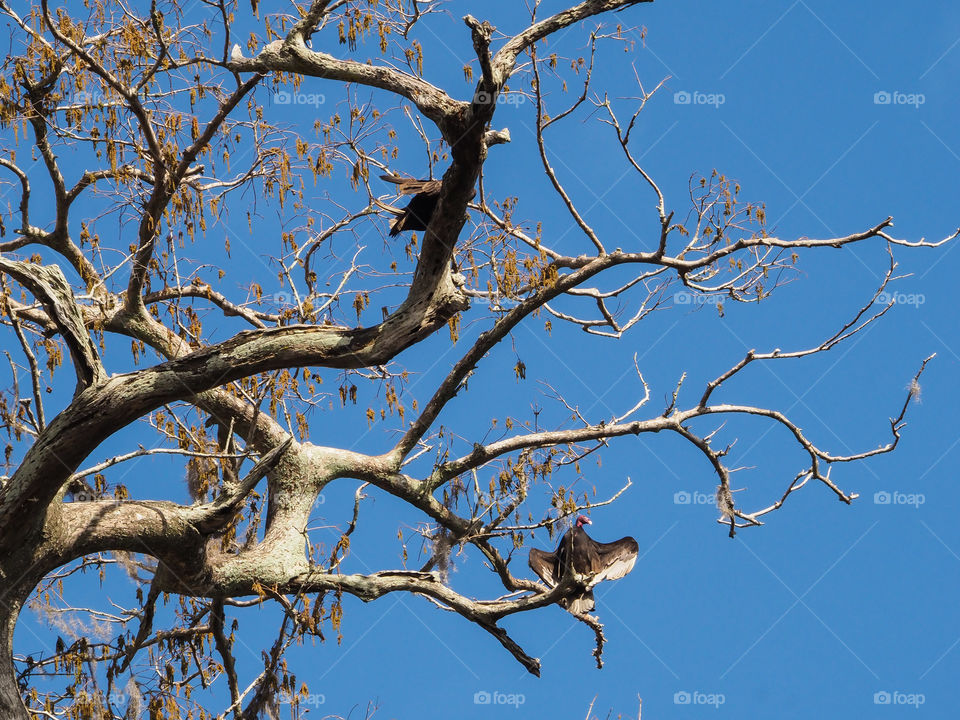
column 827, row 610
column 827, row 605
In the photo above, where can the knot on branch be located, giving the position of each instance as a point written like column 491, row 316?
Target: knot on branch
column 496, row 137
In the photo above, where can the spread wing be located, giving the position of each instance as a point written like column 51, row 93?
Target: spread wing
column 615, row 559
column 543, row 564
column 412, row 186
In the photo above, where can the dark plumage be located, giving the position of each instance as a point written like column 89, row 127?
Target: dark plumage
column 591, row 562
column 416, row 215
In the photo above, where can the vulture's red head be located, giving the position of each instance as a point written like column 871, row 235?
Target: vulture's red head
column 583, row 520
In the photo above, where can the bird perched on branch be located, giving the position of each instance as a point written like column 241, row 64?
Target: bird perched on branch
column 590, row 562
column 416, row 215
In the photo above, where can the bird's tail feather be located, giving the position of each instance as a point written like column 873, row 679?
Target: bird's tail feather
column 580, row 604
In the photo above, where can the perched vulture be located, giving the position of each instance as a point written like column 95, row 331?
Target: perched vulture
column 590, row 561
column 416, row 215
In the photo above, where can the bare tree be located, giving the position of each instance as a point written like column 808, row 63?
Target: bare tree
column 149, row 132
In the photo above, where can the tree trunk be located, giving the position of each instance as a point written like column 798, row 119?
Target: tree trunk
column 11, row 704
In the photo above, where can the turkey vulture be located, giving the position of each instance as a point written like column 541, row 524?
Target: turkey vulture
column 416, row 215
column 591, row 562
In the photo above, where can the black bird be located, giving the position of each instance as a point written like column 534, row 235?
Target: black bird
column 416, row 215
column 591, row 562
